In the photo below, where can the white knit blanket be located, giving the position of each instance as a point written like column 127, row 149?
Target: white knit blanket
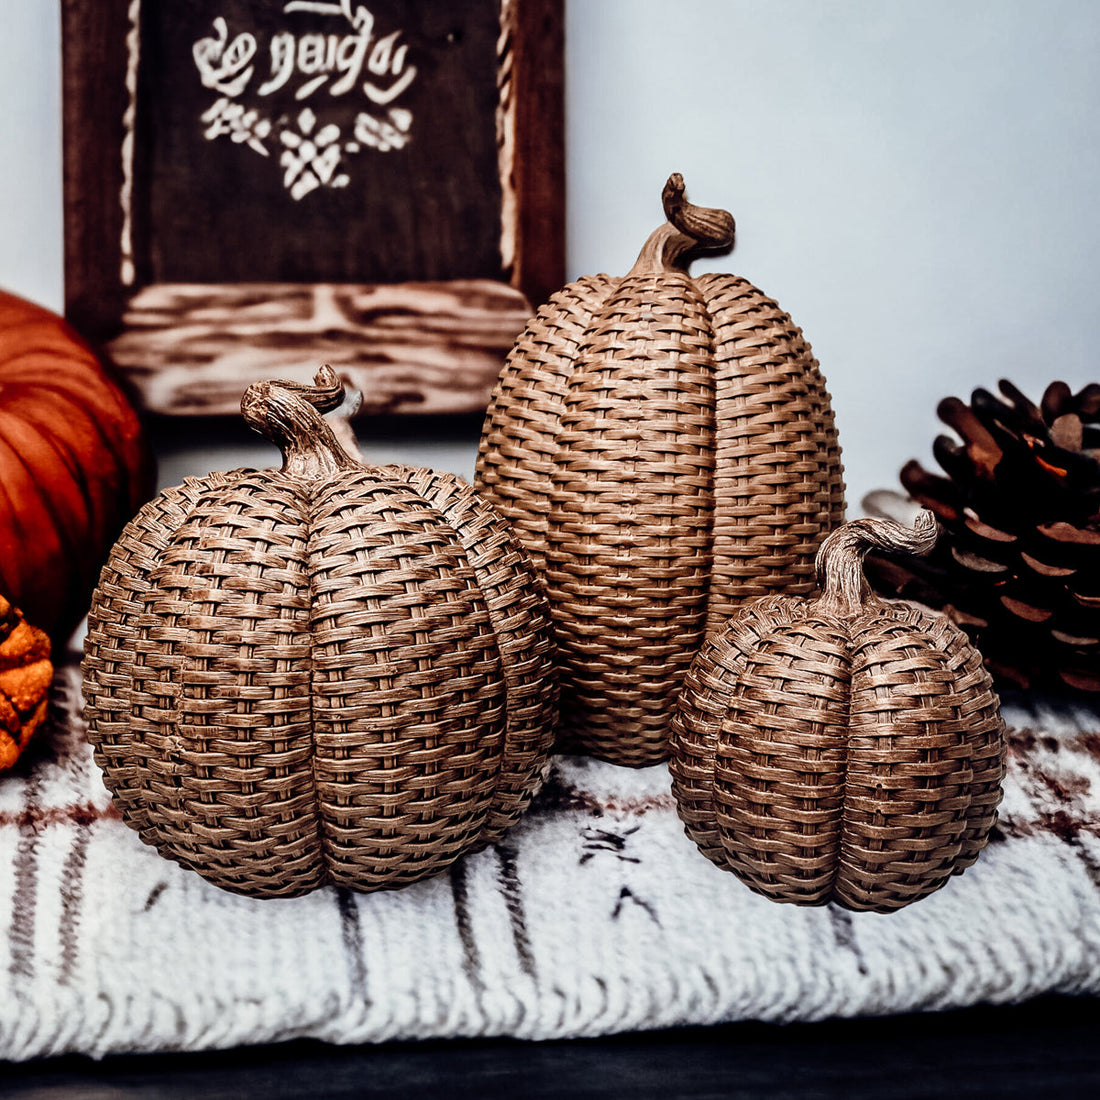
column 596, row 915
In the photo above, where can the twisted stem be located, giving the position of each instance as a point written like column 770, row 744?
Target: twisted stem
column 290, row 415
column 839, row 562
column 688, row 231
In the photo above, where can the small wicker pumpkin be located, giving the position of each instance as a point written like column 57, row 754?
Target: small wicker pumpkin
column 840, row 749
column 665, row 449
column 25, row 676
column 331, row 673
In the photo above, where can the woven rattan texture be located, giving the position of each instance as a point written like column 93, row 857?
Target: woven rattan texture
column 345, row 681
column 855, row 760
column 665, row 448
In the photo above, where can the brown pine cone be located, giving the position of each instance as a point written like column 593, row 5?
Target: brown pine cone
column 1018, row 561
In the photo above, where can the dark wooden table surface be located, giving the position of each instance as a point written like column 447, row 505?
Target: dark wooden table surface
column 1049, row 1047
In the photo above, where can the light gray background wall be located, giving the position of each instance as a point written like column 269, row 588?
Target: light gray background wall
column 915, row 182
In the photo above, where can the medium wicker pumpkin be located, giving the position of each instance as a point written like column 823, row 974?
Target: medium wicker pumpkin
column 331, row 673
column 844, row 748
column 665, row 449
column 74, row 466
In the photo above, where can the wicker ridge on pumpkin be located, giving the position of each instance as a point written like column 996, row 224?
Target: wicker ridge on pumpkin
column 327, row 673
column 843, row 748
column 665, row 449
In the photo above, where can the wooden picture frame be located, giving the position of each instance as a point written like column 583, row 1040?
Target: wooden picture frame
column 254, row 187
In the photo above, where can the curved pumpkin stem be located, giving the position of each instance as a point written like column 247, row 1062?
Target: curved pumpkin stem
column 689, row 230
column 839, row 561
column 289, row 414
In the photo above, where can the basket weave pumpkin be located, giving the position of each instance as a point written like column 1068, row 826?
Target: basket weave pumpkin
column 844, row 748
column 665, row 449
column 328, row 673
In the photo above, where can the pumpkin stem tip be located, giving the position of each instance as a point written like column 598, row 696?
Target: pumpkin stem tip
column 673, row 193
column 711, row 228
column 326, row 377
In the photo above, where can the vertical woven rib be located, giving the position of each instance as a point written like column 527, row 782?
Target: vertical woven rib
column 771, row 825
column 628, row 533
column 407, row 688
column 113, row 626
column 736, row 724
column 519, row 442
column 926, row 759
column 522, row 630
column 220, row 692
column 778, row 488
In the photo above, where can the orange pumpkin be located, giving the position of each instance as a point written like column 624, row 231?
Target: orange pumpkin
column 74, row 466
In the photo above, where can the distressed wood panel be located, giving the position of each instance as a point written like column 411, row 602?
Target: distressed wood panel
column 413, row 347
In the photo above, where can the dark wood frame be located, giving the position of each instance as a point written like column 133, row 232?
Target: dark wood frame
column 100, row 306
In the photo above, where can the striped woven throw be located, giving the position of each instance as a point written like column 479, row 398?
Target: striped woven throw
column 595, row 915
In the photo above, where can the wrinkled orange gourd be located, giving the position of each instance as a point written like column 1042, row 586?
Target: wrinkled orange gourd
column 74, row 466
column 25, row 675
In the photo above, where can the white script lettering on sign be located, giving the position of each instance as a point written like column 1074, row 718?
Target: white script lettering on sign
column 350, row 60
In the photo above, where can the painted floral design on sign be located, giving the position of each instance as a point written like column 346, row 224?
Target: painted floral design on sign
column 354, row 60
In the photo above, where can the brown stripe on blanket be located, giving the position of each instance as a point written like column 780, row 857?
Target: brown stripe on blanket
column 625, row 895
column 35, row 817
column 512, row 891
column 62, row 746
column 72, row 897
column 154, row 896
column 351, row 931
column 23, row 908
column 471, row 957
column 72, row 877
column 844, row 935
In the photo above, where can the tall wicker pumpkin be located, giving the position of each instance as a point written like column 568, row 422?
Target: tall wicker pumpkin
column 331, row 673
column 665, row 448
